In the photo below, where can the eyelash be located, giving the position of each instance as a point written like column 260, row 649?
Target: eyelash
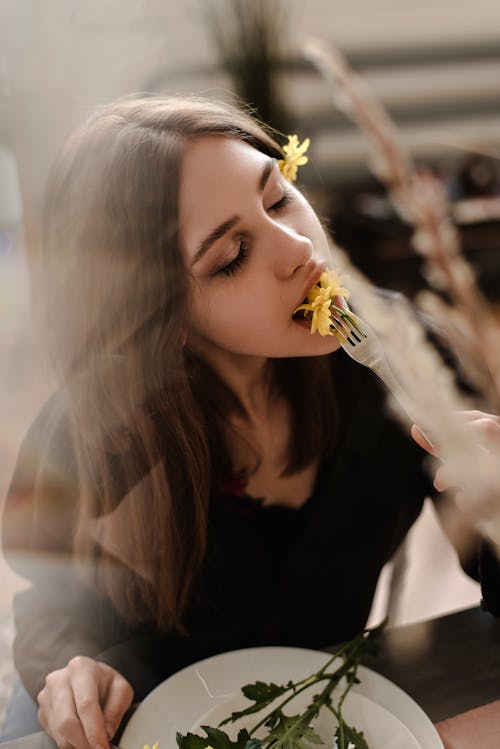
column 282, row 202
column 233, row 267
column 235, row 264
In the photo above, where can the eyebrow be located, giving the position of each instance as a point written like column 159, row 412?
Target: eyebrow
column 226, row 226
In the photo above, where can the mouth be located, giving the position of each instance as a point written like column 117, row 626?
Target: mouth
column 303, row 319
column 301, row 315
column 313, row 281
column 323, row 294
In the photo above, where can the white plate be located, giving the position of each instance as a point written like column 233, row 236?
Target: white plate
column 206, row 692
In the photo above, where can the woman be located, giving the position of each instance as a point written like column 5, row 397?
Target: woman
column 210, row 476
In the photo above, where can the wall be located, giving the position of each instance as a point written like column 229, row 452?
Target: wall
column 65, row 57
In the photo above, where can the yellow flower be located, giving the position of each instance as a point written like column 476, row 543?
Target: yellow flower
column 319, row 301
column 155, row 746
column 331, row 279
column 294, row 157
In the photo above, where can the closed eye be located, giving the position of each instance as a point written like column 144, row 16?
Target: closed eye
column 282, row 202
column 237, row 262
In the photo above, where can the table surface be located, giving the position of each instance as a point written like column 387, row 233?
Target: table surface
column 448, row 665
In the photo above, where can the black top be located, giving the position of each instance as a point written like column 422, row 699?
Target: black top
column 272, row 575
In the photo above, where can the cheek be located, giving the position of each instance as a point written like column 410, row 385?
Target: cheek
column 230, row 316
column 199, row 309
column 214, row 310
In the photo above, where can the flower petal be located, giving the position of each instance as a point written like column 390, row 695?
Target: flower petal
column 294, row 157
column 304, row 145
column 307, row 307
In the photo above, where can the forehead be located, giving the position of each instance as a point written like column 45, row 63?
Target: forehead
column 217, row 173
column 217, row 156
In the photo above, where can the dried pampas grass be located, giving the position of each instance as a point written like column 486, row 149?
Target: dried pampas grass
column 468, row 323
column 455, row 307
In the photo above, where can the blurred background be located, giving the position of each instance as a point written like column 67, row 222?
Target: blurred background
column 436, row 67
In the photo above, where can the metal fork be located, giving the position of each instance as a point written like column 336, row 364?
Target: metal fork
column 363, row 345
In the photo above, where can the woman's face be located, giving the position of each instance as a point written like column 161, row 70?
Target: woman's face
column 253, row 246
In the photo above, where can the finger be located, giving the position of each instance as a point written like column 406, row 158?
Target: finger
column 421, row 439
column 474, row 415
column 118, row 699
column 85, row 684
column 488, row 431
column 444, row 479
column 57, row 715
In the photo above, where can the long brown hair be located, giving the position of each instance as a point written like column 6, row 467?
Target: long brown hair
column 145, row 413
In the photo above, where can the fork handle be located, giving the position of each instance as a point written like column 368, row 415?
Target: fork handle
column 384, row 372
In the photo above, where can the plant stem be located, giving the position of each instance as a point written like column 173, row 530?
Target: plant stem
column 334, row 678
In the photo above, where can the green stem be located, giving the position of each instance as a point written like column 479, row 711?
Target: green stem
column 309, row 714
column 351, row 653
column 338, row 713
column 291, row 697
column 354, row 644
column 333, row 680
column 340, row 721
column 346, row 316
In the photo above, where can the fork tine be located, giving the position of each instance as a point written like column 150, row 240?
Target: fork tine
column 356, row 325
column 346, row 326
column 344, row 331
column 340, row 323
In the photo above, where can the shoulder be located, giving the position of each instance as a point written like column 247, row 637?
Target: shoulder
column 40, row 501
column 47, row 442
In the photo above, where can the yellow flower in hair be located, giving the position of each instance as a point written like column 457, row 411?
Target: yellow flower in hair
column 320, row 299
column 294, row 157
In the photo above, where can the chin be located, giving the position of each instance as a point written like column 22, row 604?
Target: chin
column 315, row 345
column 328, row 345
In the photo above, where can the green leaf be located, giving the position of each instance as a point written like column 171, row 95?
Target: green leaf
column 261, row 694
column 311, row 736
column 293, row 732
column 190, row 741
column 216, row 739
column 254, row 744
column 350, row 735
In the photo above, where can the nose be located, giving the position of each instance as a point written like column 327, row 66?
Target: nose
column 291, row 251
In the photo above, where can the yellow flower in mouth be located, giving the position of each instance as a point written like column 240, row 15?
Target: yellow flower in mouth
column 319, row 301
column 331, row 279
column 320, row 308
column 294, row 157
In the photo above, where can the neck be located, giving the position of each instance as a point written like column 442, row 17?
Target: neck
column 248, row 377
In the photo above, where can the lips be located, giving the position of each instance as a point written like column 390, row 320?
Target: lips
column 312, row 281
